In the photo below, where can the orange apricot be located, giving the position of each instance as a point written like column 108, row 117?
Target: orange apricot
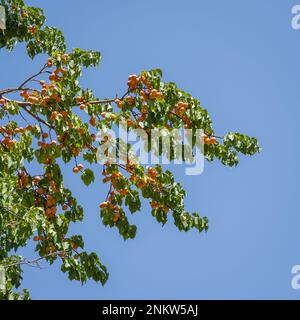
column 41, row 191
column 104, row 204
column 36, row 180
column 49, row 63
column 33, row 99
column 75, row 169
column 93, row 121
column 116, row 217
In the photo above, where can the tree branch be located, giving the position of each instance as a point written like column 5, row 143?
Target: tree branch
column 32, row 263
column 32, row 77
column 23, row 106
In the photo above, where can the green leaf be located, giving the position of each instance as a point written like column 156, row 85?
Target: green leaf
column 87, row 176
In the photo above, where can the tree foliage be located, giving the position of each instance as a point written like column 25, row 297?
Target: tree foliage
column 53, row 121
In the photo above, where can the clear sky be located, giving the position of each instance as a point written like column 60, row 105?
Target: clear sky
column 241, row 59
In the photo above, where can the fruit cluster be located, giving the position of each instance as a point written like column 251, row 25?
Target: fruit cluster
column 9, row 133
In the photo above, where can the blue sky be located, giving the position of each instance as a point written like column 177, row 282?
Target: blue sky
column 241, row 59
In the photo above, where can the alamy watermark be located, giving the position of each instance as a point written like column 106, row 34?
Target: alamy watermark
column 2, row 279
column 165, row 146
column 296, row 17
column 2, row 18
column 295, row 283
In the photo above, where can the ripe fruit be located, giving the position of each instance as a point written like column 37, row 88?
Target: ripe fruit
column 106, row 179
column 123, row 192
column 166, row 209
column 52, row 183
column 130, row 123
column 36, row 180
column 44, row 102
column 55, row 97
column 132, row 77
column 44, row 91
column 151, row 180
column 143, row 95
column 45, row 135
column 116, row 217
column 79, row 100
column 32, row 29
column 49, row 63
column 132, row 178
column 213, row 140
column 154, row 204
column 23, row 180
column 49, row 203
column 62, row 70
column 64, row 113
column 114, row 183
column 33, row 99
column 119, row 103
column 11, row 143
column 41, row 191
column 152, row 173
column 76, row 170
column 104, row 204
column 74, row 246
column 80, row 166
column 24, row 94
column 93, row 121
column 52, row 77
column 208, row 140
column 132, row 81
column 141, row 184
column 155, row 94
column 130, row 100
column 82, row 106
column 54, row 115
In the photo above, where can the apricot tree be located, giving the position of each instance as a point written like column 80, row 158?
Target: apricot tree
column 49, row 120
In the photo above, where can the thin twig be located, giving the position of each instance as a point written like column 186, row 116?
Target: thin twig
column 32, row 263
column 33, row 76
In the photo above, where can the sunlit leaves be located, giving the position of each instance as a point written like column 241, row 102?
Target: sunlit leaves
column 64, row 120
